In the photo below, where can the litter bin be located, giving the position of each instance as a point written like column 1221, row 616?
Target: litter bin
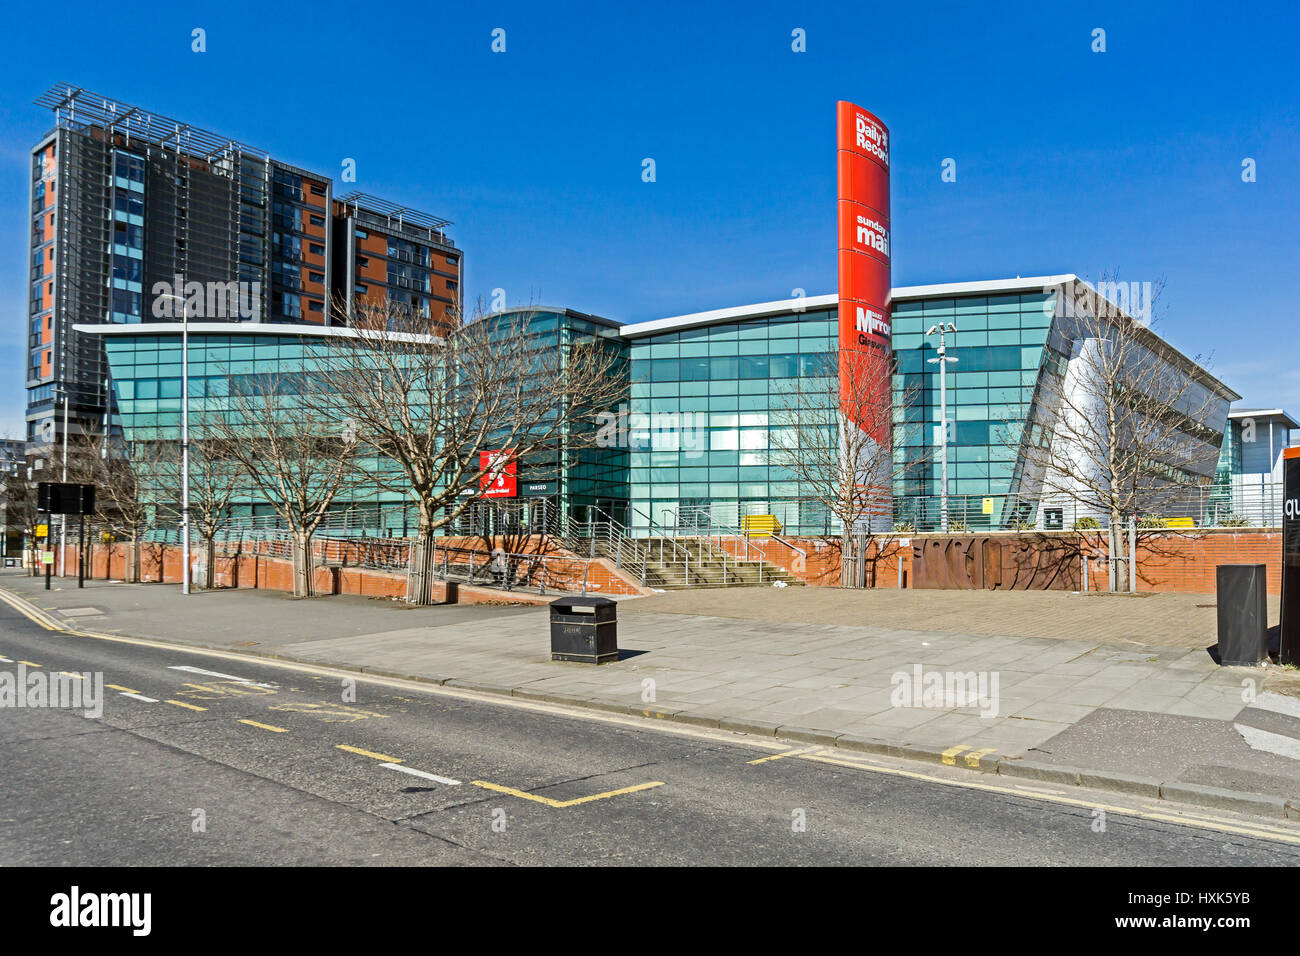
column 1243, row 614
column 584, row 629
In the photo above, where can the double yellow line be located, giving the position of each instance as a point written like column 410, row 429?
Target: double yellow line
column 561, row 804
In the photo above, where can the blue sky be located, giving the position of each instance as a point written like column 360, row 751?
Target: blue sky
column 1067, row 160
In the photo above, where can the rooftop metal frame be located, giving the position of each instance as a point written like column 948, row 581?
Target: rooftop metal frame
column 402, row 214
column 77, row 108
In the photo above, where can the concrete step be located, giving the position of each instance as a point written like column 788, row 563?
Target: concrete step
column 714, row 569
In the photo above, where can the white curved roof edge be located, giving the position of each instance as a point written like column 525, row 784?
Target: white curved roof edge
column 230, row 328
column 695, row 319
column 1239, row 413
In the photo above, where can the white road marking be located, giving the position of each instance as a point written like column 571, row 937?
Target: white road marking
column 420, row 773
column 5, row 660
column 1028, row 789
column 1279, row 744
column 200, row 670
column 147, row 700
column 1277, row 703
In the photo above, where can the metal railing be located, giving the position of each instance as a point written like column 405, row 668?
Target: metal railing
column 610, row 536
column 665, row 541
column 545, row 574
column 699, row 524
column 1239, row 504
column 346, row 539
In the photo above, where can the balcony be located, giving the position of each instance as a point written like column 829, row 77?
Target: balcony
column 402, row 282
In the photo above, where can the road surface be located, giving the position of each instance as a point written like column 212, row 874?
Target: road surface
column 214, row 759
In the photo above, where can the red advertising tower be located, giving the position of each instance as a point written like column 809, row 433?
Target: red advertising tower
column 862, row 215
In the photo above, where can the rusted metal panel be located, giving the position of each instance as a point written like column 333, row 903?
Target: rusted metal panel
column 996, row 562
column 950, row 561
column 992, row 553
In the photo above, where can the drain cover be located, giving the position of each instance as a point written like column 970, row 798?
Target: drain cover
column 80, row 611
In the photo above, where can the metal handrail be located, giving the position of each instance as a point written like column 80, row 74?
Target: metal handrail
column 788, row 544
column 538, row 567
column 720, row 531
column 619, row 537
column 608, row 530
column 727, row 531
column 665, row 539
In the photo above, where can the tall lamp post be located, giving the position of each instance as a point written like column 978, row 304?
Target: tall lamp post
column 185, row 442
column 63, row 391
column 942, row 360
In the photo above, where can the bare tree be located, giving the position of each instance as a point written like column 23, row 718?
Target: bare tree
column 1121, row 426
column 18, row 505
column 299, row 465
column 215, row 478
column 124, row 505
column 431, row 410
column 825, row 433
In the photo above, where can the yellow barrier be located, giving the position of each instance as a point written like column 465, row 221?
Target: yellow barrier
column 760, row 526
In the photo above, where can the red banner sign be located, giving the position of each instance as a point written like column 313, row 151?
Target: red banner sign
column 862, row 143
column 500, row 473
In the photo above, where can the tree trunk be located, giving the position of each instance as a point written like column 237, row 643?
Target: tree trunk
column 848, row 564
column 210, row 571
column 131, row 573
column 304, row 579
column 1117, row 557
column 419, row 586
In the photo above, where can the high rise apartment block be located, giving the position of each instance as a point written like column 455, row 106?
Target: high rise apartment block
column 126, row 204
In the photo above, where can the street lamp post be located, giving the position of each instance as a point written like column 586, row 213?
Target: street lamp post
column 63, row 519
column 185, row 442
column 185, row 450
column 942, row 360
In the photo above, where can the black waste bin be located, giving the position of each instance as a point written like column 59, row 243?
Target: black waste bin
column 584, row 629
column 1243, row 614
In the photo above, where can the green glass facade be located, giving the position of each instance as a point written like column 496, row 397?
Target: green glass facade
column 731, row 379
column 706, row 393
column 999, row 348
column 145, row 365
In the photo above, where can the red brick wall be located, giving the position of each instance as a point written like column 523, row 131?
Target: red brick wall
column 1186, row 563
column 1183, row 563
column 820, row 564
column 254, row 568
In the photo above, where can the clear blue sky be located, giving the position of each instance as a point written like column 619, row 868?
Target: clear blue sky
column 1067, row 160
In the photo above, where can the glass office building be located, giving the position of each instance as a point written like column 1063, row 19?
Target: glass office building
column 725, row 377
column 999, row 350
column 735, row 366
column 145, row 365
column 697, row 439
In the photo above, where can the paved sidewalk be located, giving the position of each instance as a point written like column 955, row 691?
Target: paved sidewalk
column 1174, row 620
column 1065, row 705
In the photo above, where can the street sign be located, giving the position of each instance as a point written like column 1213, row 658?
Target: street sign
column 47, row 557
column 1289, row 627
column 988, row 506
column 42, row 531
column 62, row 498
column 501, row 469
